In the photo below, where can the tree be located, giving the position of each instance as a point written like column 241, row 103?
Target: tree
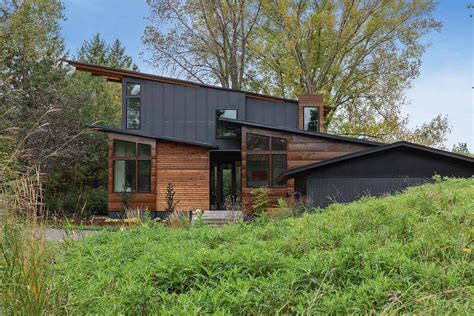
column 118, row 59
column 203, row 39
column 362, row 55
column 460, row 148
column 94, row 51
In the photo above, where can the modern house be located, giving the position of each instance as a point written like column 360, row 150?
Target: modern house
column 216, row 144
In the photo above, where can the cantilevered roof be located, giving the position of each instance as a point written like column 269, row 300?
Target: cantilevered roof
column 163, row 138
column 292, row 173
column 302, row 132
column 116, row 75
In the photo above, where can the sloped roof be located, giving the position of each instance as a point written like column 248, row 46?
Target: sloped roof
column 116, row 75
column 302, row 132
column 292, row 173
column 163, row 138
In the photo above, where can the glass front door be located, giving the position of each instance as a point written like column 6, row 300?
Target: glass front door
column 225, row 184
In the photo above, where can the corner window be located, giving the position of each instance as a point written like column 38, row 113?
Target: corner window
column 132, row 172
column 266, row 160
column 311, row 118
column 133, row 105
column 223, row 129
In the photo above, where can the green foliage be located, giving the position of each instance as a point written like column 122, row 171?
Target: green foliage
column 88, row 202
column 260, row 200
column 170, row 202
column 460, row 148
column 399, row 254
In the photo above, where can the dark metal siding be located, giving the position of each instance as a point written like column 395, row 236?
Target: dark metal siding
column 379, row 173
column 186, row 113
column 282, row 114
column 323, row 191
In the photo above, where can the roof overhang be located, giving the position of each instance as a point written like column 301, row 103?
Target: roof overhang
column 117, row 75
column 293, row 173
column 302, row 132
column 161, row 138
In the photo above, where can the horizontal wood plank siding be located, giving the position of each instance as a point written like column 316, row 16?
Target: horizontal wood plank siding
column 302, row 150
column 187, row 168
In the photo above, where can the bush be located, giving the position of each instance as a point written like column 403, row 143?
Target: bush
column 408, row 253
column 88, row 202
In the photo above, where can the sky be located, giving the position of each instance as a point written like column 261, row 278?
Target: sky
column 445, row 84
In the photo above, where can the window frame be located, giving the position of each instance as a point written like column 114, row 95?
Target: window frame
column 216, row 120
column 270, row 152
column 128, row 97
column 137, row 158
column 318, row 109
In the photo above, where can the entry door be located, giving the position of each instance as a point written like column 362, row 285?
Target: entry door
column 225, row 183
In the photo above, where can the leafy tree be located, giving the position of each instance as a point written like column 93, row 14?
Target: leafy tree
column 460, row 148
column 362, row 55
column 203, row 39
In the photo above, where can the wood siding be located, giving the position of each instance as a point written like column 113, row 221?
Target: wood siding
column 141, row 200
column 187, row 168
column 302, row 150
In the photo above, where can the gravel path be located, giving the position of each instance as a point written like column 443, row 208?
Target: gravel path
column 56, row 234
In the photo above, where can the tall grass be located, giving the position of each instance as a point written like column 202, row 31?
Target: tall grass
column 400, row 254
column 25, row 256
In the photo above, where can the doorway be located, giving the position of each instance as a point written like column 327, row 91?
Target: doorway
column 226, row 182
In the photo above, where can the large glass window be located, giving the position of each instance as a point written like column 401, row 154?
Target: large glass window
column 223, row 129
column 278, row 167
column 132, row 167
column 258, row 142
column 311, row 118
column 257, row 170
column 266, row 160
column 133, row 105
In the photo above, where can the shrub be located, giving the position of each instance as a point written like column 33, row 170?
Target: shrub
column 260, row 201
column 404, row 254
column 170, row 202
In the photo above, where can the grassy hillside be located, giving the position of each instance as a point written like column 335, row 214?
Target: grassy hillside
column 405, row 253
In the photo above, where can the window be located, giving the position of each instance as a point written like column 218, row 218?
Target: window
column 258, row 142
column 132, row 172
column 265, row 153
column 133, row 105
column 278, row 167
column 223, row 129
column 257, row 170
column 311, row 118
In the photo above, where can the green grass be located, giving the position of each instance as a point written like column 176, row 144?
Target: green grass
column 404, row 253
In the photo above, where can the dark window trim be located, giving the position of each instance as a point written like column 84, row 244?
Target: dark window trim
column 135, row 158
column 268, row 152
column 319, row 117
column 127, row 97
column 215, row 130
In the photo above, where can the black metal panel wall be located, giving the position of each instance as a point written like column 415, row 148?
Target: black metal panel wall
column 378, row 174
column 188, row 113
column 323, row 191
column 282, row 114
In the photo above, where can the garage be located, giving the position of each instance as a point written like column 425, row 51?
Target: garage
column 374, row 172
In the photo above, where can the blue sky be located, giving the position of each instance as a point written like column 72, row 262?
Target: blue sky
column 444, row 85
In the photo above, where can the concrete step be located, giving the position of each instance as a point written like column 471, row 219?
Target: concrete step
column 219, row 217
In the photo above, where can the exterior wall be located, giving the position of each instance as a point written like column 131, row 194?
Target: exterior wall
column 187, row 168
column 188, row 112
column 378, row 174
column 311, row 100
column 301, row 150
column 283, row 114
column 141, row 200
